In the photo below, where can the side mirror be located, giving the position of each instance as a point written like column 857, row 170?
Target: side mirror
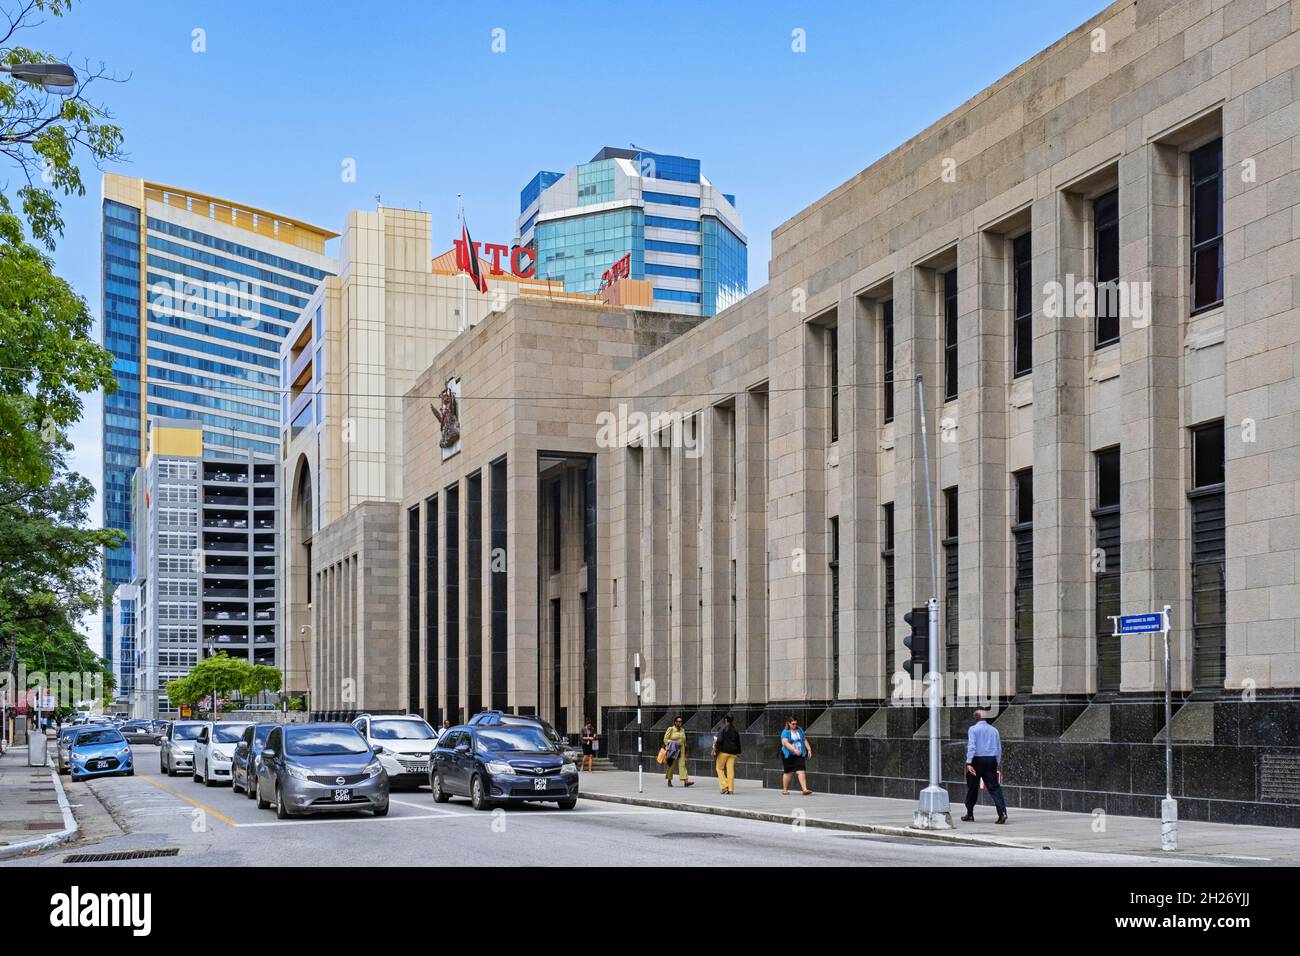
column 377, row 749
column 267, row 754
column 462, row 748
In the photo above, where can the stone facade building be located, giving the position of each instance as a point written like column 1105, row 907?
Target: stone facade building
column 1091, row 270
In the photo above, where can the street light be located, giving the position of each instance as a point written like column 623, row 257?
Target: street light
column 52, row 77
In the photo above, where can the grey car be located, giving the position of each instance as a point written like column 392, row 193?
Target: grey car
column 319, row 768
column 176, row 754
column 243, row 765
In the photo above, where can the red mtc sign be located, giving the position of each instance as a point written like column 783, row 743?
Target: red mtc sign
column 496, row 251
column 619, row 270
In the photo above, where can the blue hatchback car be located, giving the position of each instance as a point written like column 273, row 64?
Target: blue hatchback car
column 501, row 764
column 100, row 752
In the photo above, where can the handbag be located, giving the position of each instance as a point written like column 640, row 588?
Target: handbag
column 663, row 756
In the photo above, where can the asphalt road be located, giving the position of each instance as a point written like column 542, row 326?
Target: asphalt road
column 212, row 826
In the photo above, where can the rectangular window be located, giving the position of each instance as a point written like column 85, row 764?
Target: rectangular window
column 834, row 565
column 951, row 581
column 432, row 710
column 887, row 355
column 1105, row 264
column 451, row 559
column 497, row 589
column 833, row 376
column 413, row 608
column 1207, row 225
column 1022, row 288
column 1022, row 533
column 557, row 510
column 1209, row 559
column 1106, row 576
column 887, row 559
column 474, row 591
column 950, row 335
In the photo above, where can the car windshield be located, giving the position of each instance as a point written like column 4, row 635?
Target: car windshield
column 400, row 730
column 92, row 737
column 227, row 733
column 186, row 731
column 525, row 739
column 323, row 742
column 546, row 728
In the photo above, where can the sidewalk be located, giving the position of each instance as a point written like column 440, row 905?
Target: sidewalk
column 34, row 813
column 1032, row 829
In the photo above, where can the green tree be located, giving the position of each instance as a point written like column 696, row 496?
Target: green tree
column 48, row 359
column 42, row 133
column 261, row 677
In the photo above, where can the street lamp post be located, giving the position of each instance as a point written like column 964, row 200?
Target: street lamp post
column 52, row 77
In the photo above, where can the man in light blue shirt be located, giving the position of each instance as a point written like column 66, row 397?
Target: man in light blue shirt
column 983, row 756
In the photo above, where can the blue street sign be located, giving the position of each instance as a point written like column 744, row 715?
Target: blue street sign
column 1142, row 624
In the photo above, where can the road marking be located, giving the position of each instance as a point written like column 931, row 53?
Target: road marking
column 422, row 806
column 202, row 806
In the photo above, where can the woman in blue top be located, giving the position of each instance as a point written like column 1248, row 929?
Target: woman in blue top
column 795, row 752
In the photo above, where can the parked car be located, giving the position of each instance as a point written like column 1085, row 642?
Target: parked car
column 99, row 752
column 140, row 732
column 320, row 768
column 243, row 763
column 402, row 742
column 213, row 748
column 63, row 747
column 501, row 718
column 501, row 763
column 176, row 755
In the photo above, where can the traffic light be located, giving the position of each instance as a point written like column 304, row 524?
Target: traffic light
column 918, row 642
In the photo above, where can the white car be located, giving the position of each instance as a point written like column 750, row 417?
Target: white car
column 213, row 750
column 402, row 742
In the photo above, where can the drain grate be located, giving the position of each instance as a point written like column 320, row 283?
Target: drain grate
column 119, row 855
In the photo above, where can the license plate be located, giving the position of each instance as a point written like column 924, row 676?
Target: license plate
column 343, row 796
column 98, row 764
column 539, row 784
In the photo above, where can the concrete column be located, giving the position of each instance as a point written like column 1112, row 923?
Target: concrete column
column 751, row 547
column 984, row 519
column 654, row 579
column 685, row 568
column 716, row 448
column 1064, row 647
column 1152, row 492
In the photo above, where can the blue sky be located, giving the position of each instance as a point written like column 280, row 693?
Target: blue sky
column 286, row 92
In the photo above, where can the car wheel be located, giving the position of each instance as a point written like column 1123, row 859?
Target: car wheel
column 207, row 775
column 281, row 810
column 381, row 811
column 196, row 774
column 435, row 786
column 234, row 780
column 567, row 804
column 261, row 804
column 131, row 772
column 250, row 786
column 76, row 778
column 478, row 797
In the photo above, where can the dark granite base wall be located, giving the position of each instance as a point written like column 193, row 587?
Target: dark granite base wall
column 1238, row 774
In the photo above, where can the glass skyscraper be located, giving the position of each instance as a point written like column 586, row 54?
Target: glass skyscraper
column 683, row 236
column 198, row 294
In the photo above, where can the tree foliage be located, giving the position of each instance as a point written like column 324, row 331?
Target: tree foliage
column 42, row 133
column 217, row 676
column 49, row 552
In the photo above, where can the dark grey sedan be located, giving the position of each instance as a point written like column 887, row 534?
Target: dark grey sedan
column 319, row 768
column 243, row 765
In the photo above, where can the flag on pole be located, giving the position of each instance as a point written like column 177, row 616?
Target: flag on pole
column 467, row 257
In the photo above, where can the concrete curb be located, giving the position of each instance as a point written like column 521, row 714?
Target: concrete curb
column 939, row 836
column 70, row 827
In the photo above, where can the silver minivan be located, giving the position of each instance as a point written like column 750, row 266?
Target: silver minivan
column 176, row 753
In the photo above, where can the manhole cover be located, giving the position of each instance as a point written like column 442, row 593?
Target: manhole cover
column 44, row 826
column 119, row 855
column 42, row 801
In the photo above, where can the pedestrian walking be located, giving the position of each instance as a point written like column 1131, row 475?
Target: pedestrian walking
column 675, row 751
column 795, row 753
column 983, row 758
column 726, row 748
column 588, row 745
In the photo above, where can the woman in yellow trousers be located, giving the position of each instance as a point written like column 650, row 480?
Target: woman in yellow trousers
column 676, row 734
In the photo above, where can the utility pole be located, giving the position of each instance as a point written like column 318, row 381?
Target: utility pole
column 932, row 810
